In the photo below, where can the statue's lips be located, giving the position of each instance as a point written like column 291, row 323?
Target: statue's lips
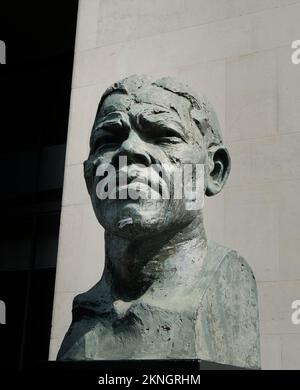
column 140, row 185
column 139, row 188
column 145, row 182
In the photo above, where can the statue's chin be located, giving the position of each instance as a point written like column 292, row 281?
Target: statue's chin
column 131, row 219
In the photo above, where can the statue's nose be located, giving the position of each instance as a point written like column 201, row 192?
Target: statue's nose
column 135, row 149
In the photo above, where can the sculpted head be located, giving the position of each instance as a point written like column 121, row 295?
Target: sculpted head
column 152, row 123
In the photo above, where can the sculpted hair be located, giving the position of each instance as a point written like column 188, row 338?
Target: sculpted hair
column 202, row 112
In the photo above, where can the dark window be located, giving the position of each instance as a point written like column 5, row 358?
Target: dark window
column 35, row 87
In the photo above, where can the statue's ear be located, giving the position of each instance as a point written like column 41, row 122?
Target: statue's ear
column 219, row 165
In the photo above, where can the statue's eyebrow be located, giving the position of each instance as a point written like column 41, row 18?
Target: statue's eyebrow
column 112, row 121
column 171, row 121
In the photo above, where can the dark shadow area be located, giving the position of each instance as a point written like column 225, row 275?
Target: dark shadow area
column 35, row 88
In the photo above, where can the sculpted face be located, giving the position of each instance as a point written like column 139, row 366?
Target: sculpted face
column 152, row 128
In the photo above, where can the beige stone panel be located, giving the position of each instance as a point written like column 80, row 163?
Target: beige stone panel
column 270, row 351
column 87, row 24
column 118, row 23
column 267, row 160
column 241, row 163
column 75, row 191
column 240, row 7
column 159, row 54
column 290, row 351
column 288, row 91
column 275, row 299
column 288, row 155
column 276, row 158
column 61, row 319
column 252, row 227
column 53, row 349
column 124, row 20
column 260, row 161
column 214, row 218
column 81, row 250
column 251, row 99
column 276, row 28
column 289, row 228
column 83, row 109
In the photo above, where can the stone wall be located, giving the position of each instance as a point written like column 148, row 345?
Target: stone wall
column 239, row 53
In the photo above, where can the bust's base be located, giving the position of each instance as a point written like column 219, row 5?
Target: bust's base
column 155, row 365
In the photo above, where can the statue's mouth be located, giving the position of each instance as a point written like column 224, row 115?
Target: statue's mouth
column 138, row 189
column 134, row 183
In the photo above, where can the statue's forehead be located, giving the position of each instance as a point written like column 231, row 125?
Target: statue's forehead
column 152, row 97
column 115, row 102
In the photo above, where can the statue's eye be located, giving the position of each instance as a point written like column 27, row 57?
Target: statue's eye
column 169, row 136
column 106, row 142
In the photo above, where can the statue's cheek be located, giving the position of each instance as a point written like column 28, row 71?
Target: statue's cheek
column 187, row 154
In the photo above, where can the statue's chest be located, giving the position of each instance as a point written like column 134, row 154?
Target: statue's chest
column 144, row 332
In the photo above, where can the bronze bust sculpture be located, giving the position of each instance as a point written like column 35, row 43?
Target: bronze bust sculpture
column 166, row 291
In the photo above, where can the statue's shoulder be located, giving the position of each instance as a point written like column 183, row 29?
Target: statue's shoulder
column 88, row 310
column 227, row 317
column 220, row 258
column 92, row 302
column 224, row 269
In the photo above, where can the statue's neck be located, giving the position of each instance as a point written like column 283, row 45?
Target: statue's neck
column 161, row 262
